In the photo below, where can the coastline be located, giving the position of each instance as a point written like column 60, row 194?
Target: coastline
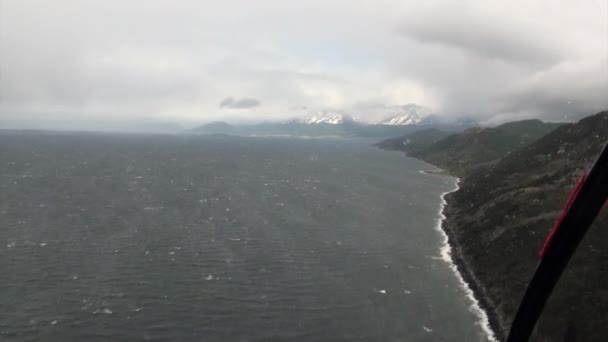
column 450, row 252
column 437, row 171
column 481, row 304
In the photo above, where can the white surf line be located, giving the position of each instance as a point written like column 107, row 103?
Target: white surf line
column 446, row 255
column 429, row 172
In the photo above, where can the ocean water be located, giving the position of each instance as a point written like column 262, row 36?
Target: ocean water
column 187, row 238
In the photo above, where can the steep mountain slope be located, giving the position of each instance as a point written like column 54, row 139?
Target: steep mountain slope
column 501, row 214
column 475, row 147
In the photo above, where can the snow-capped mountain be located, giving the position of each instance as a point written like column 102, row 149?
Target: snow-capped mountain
column 328, row 118
column 409, row 115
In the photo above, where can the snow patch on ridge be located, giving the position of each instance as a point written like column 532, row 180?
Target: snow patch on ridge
column 408, row 115
column 328, row 118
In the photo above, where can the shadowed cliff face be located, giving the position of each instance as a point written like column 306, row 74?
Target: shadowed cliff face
column 502, row 214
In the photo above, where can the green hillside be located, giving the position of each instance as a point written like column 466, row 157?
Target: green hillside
column 507, row 210
column 462, row 153
column 514, row 181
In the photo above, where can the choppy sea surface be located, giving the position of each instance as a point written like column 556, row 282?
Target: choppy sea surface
column 188, row 238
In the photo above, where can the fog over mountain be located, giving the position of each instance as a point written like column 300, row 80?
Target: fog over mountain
column 93, row 63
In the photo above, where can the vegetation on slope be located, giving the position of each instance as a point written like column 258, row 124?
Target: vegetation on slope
column 462, row 153
column 501, row 215
column 514, row 181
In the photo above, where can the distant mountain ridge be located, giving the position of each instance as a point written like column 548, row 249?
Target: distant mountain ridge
column 413, row 142
column 336, row 124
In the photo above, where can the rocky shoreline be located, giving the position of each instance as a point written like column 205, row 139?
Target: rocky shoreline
column 467, row 272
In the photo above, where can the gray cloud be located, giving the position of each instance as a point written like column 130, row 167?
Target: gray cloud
column 80, row 63
column 243, row 103
column 508, row 61
column 548, row 96
column 485, row 38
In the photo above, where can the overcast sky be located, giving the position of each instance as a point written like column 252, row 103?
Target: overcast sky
column 80, row 63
